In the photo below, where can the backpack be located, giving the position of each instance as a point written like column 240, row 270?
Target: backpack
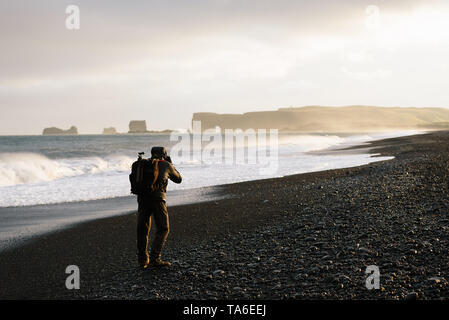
column 144, row 173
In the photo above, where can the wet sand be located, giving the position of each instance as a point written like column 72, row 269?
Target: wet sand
column 19, row 225
column 307, row 236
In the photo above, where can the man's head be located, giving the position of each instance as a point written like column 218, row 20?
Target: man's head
column 158, row 153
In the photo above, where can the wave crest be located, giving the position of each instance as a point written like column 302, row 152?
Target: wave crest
column 25, row 168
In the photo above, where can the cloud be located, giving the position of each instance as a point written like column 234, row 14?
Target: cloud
column 117, row 32
column 178, row 57
column 367, row 75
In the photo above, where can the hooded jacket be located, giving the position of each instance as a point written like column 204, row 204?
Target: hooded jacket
column 162, row 171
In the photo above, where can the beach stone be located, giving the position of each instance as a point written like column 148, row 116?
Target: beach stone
column 435, row 279
column 218, row 272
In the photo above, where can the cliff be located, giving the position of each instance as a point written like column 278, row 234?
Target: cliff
column 138, row 126
column 330, row 119
column 57, row 131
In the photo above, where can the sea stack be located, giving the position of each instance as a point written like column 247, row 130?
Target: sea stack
column 110, row 130
column 57, row 131
column 138, row 126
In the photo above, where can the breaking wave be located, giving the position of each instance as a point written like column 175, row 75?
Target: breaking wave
column 26, row 168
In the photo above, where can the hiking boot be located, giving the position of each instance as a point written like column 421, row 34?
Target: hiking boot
column 159, row 263
column 144, row 264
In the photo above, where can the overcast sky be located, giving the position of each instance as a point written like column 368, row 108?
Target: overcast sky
column 163, row 60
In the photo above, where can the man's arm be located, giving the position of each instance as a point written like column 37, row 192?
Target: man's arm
column 174, row 175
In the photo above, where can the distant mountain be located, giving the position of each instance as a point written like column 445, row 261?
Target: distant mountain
column 315, row 119
column 57, row 131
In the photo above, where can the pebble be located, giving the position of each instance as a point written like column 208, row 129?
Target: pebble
column 217, row 272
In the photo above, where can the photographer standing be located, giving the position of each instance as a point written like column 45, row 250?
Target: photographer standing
column 151, row 202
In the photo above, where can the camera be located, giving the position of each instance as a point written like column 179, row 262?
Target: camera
column 160, row 153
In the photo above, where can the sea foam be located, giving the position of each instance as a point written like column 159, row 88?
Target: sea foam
column 30, row 168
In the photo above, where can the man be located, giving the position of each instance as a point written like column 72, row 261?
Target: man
column 152, row 203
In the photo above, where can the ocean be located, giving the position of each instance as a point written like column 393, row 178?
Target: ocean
column 58, row 169
column 50, row 182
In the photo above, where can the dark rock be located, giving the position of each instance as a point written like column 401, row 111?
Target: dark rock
column 138, row 126
column 57, row 131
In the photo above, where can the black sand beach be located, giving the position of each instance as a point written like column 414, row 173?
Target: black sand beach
column 308, row 236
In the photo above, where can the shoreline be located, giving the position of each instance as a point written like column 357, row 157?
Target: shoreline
column 66, row 215
column 39, row 219
column 207, row 238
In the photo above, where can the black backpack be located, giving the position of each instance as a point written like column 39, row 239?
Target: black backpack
column 142, row 175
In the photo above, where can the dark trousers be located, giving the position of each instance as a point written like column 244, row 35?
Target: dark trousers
column 148, row 207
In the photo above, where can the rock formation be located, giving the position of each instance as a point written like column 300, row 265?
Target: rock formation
column 166, row 131
column 110, row 130
column 138, row 126
column 57, row 131
column 316, row 119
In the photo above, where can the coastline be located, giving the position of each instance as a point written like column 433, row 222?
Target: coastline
column 273, row 239
column 19, row 224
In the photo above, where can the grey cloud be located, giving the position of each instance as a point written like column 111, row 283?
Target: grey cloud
column 36, row 48
column 115, row 32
